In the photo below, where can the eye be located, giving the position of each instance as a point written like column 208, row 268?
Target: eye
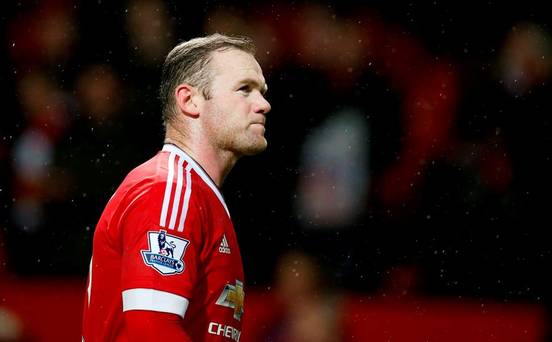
column 245, row 89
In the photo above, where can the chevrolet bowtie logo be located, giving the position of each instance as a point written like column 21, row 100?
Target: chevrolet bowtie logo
column 233, row 297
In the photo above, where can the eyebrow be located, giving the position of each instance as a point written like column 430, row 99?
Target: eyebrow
column 250, row 81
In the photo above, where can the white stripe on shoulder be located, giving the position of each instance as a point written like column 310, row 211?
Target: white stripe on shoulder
column 187, row 194
column 168, row 189
column 176, row 201
column 154, row 300
column 200, row 172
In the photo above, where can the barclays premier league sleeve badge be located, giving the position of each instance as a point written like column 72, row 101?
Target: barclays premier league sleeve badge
column 165, row 252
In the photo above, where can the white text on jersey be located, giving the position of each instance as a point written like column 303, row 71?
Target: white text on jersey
column 224, row 330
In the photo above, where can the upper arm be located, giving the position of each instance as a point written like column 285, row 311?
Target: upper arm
column 159, row 264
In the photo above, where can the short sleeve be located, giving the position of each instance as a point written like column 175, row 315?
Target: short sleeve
column 159, row 263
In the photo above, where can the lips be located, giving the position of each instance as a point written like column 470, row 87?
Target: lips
column 258, row 119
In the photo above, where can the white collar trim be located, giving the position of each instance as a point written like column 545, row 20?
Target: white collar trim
column 199, row 170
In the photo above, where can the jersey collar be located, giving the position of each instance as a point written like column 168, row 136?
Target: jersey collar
column 199, row 170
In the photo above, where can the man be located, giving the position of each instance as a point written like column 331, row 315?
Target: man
column 165, row 261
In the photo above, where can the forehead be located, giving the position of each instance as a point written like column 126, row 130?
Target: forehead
column 234, row 64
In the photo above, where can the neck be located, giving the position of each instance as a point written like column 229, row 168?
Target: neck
column 217, row 163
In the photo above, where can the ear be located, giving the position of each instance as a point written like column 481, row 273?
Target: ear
column 186, row 98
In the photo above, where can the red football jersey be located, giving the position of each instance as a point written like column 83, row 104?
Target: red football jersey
column 165, row 242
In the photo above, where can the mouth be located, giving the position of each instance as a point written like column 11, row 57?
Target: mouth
column 258, row 127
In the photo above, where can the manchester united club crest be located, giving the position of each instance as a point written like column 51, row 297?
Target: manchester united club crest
column 165, row 252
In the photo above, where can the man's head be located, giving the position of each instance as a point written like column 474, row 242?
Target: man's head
column 189, row 63
column 214, row 86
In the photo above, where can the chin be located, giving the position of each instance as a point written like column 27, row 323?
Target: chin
column 254, row 148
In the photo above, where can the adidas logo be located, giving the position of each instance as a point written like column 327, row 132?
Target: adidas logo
column 224, row 247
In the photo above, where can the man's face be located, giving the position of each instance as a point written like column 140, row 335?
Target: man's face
column 235, row 114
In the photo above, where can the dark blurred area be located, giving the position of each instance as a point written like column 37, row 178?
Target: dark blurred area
column 409, row 144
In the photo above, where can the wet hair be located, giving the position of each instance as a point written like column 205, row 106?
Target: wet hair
column 188, row 63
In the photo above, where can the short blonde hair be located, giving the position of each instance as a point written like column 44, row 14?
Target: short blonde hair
column 188, row 63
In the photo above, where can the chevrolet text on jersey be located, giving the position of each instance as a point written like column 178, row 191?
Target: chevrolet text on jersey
column 224, row 330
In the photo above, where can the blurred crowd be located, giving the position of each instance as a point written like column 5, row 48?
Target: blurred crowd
column 403, row 145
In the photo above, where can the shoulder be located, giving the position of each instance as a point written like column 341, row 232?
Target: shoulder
column 167, row 186
column 174, row 186
column 159, row 184
column 145, row 179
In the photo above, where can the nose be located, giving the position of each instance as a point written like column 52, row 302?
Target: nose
column 262, row 106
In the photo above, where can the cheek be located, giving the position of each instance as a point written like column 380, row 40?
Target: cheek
column 231, row 111
column 238, row 109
